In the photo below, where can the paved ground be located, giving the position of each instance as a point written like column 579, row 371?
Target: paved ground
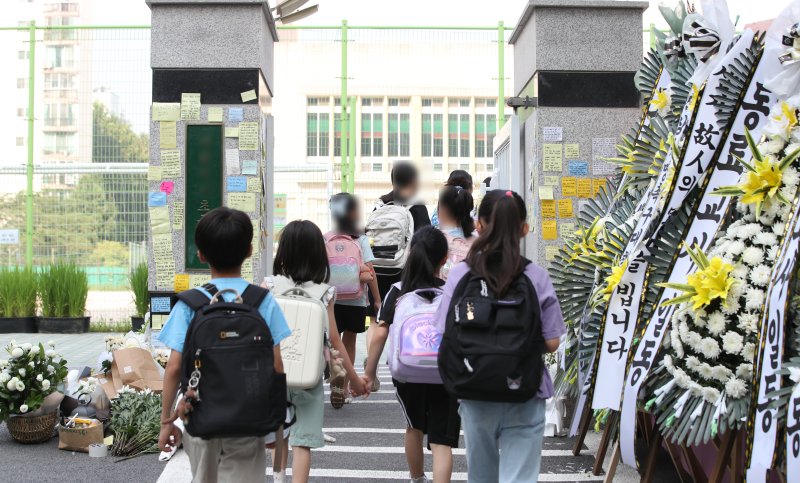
column 369, row 444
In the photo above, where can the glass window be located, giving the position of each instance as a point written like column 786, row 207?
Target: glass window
column 318, row 134
column 399, row 134
column 337, row 134
column 312, row 125
column 59, row 143
column 433, row 102
column 21, row 82
column 458, row 135
column 22, row 54
column 59, row 115
column 485, row 129
column 371, row 134
column 20, row 141
column 60, row 56
column 432, row 135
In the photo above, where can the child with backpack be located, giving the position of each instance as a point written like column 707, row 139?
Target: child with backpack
column 350, row 257
column 225, row 356
column 499, row 315
column 300, row 284
column 455, row 220
column 407, row 317
column 395, row 219
column 458, row 178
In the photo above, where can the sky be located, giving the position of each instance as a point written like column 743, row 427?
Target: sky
column 422, row 12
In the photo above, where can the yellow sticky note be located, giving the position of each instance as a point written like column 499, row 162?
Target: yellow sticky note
column 167, row 135
column 214, row 114
column 181, row 282
column 171, row 163
column 545, row 192
column 154, row 173
column 164, row 261
column 242, row 201
column 254, row 185
column 551, row 180
column 247, row 269
column 548, row 209
column 249, row 95
column 584, row 188
column 108, row 440
column 231, row 132
column 550, row 253
column 198, row 279
column 190, row 106
column 178, row 209
column 567, row 230
column 549, row 230
column 248, row 136
column 597, row 184
column 551, row 157
column 565, row 208
column 159, row 220
column 572, row 151
column 166, row 111
column 568, row 186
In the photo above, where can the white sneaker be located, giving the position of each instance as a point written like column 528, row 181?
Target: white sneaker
column 328, row 438
column 348, row 400
column 421, row 479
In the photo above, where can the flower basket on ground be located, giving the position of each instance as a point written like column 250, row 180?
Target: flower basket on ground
column 138, row 282
column 28, row 398
column 64, row 288
column 17, row 300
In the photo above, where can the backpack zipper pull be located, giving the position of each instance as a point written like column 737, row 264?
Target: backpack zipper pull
column 484, row 289
column 194, row 378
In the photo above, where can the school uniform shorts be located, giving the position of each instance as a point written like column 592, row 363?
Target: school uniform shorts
column 430, row 409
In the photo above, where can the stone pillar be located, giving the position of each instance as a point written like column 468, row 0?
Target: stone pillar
column 577, row 58
column 210, row 133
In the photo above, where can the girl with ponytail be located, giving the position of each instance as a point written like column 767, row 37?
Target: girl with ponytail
column 455, row 221
column 428, row 408
column 494, row 414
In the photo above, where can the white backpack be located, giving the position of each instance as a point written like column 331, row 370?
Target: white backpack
column 390, row 228
column 307, row 317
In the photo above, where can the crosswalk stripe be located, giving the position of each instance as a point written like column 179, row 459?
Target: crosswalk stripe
column 457, row 476
column 334, row 448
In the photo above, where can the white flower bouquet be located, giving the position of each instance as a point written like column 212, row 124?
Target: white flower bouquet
column 30, row 374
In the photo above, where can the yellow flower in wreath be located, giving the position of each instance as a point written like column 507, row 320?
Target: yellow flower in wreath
column 614, row 279
column 711, row 281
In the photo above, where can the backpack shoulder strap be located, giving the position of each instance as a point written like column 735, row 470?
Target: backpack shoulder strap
column 253, row 295
column 196, row 299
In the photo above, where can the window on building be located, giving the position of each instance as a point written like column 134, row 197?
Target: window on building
column 433, row 102
column 20, row 141
column 21, row 82
column 399, row 102
column 60, row 56
column 59, row 80
column 317, row 134
column 22, row 112
column 337, row 135
column 399, row 134
column 485, row 129
column 22, row 55
column 371, row 134
column 432, row 135
column 458, row 135
column 59, row 143
column 59, row 115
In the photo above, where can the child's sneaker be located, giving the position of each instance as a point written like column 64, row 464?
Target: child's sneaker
column 421, row 479
column 337, row 381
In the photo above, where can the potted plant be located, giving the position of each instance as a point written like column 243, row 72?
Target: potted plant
column 138, row 281
column 28, row 398
column 17, row 300
column 63, row 288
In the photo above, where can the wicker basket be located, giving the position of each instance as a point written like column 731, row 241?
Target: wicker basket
column 32, row 429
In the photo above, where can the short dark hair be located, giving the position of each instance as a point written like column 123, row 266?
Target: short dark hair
column 459, row 177
column 224, row 237
column 301, row 253
column 403, row 174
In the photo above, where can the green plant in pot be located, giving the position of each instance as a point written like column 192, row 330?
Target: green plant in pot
column 63, row 288
column 17, row 300
column 138, row 281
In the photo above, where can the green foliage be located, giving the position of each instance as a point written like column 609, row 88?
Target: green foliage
column 64, row 288
column 17, row 292
column 136, row 422
column 138, row 280
column 119, row 326
column 109, row 254
column 29, row 375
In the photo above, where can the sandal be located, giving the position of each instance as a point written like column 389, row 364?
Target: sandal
column 338, row 381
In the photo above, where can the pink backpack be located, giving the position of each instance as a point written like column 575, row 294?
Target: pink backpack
column 457, row 249
column 345, row 259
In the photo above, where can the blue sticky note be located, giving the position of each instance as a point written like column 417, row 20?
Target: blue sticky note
column 156, row 198
column 578, row 168
column 235, row 114
column 160, row 305
column 250, row 167
column 237, row 184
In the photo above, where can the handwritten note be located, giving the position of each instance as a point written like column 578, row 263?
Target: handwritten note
column 567, row 230
column 166, row 111
column 167, row 135
column 565, row 208
column 553, row 133
column 199, row 279
column 214, row 114
column 236, row 184
column 597, row 185
column 549, row 230
column 154, row 173
column 545, row 192
column 235, row 114
column 248, row 136
column 178, row 209
column 254, row 185
column 584, row 188
column 548, row 209
column 250, row 167
column 551, row 157
column 167, row 187
column 568, row 186
column 242, row 201
column 159, row 220
column 156, row 198
column 164, row 261
column 550, row 253
column 551, row 180
column 247, row 269
column 171, row 163
column 572, row 150
column 603, row 148
column 248, row 96
column 181, row 282
column 232, row 161
column 190, row 106
column 578, row 168
column 231, row 132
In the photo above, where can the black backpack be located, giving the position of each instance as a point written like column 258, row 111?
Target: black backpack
column 239, row 392
column 492, row 349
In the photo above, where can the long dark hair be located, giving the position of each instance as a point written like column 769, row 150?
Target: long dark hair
column 427, row 250
column 343, row 205
column 301, row 253
column 459, row 177
column 459, row 204
column 495, row 256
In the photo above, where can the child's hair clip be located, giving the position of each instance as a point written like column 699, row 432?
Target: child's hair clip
column 510, row 194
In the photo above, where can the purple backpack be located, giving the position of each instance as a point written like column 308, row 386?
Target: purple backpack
column 414, row 339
